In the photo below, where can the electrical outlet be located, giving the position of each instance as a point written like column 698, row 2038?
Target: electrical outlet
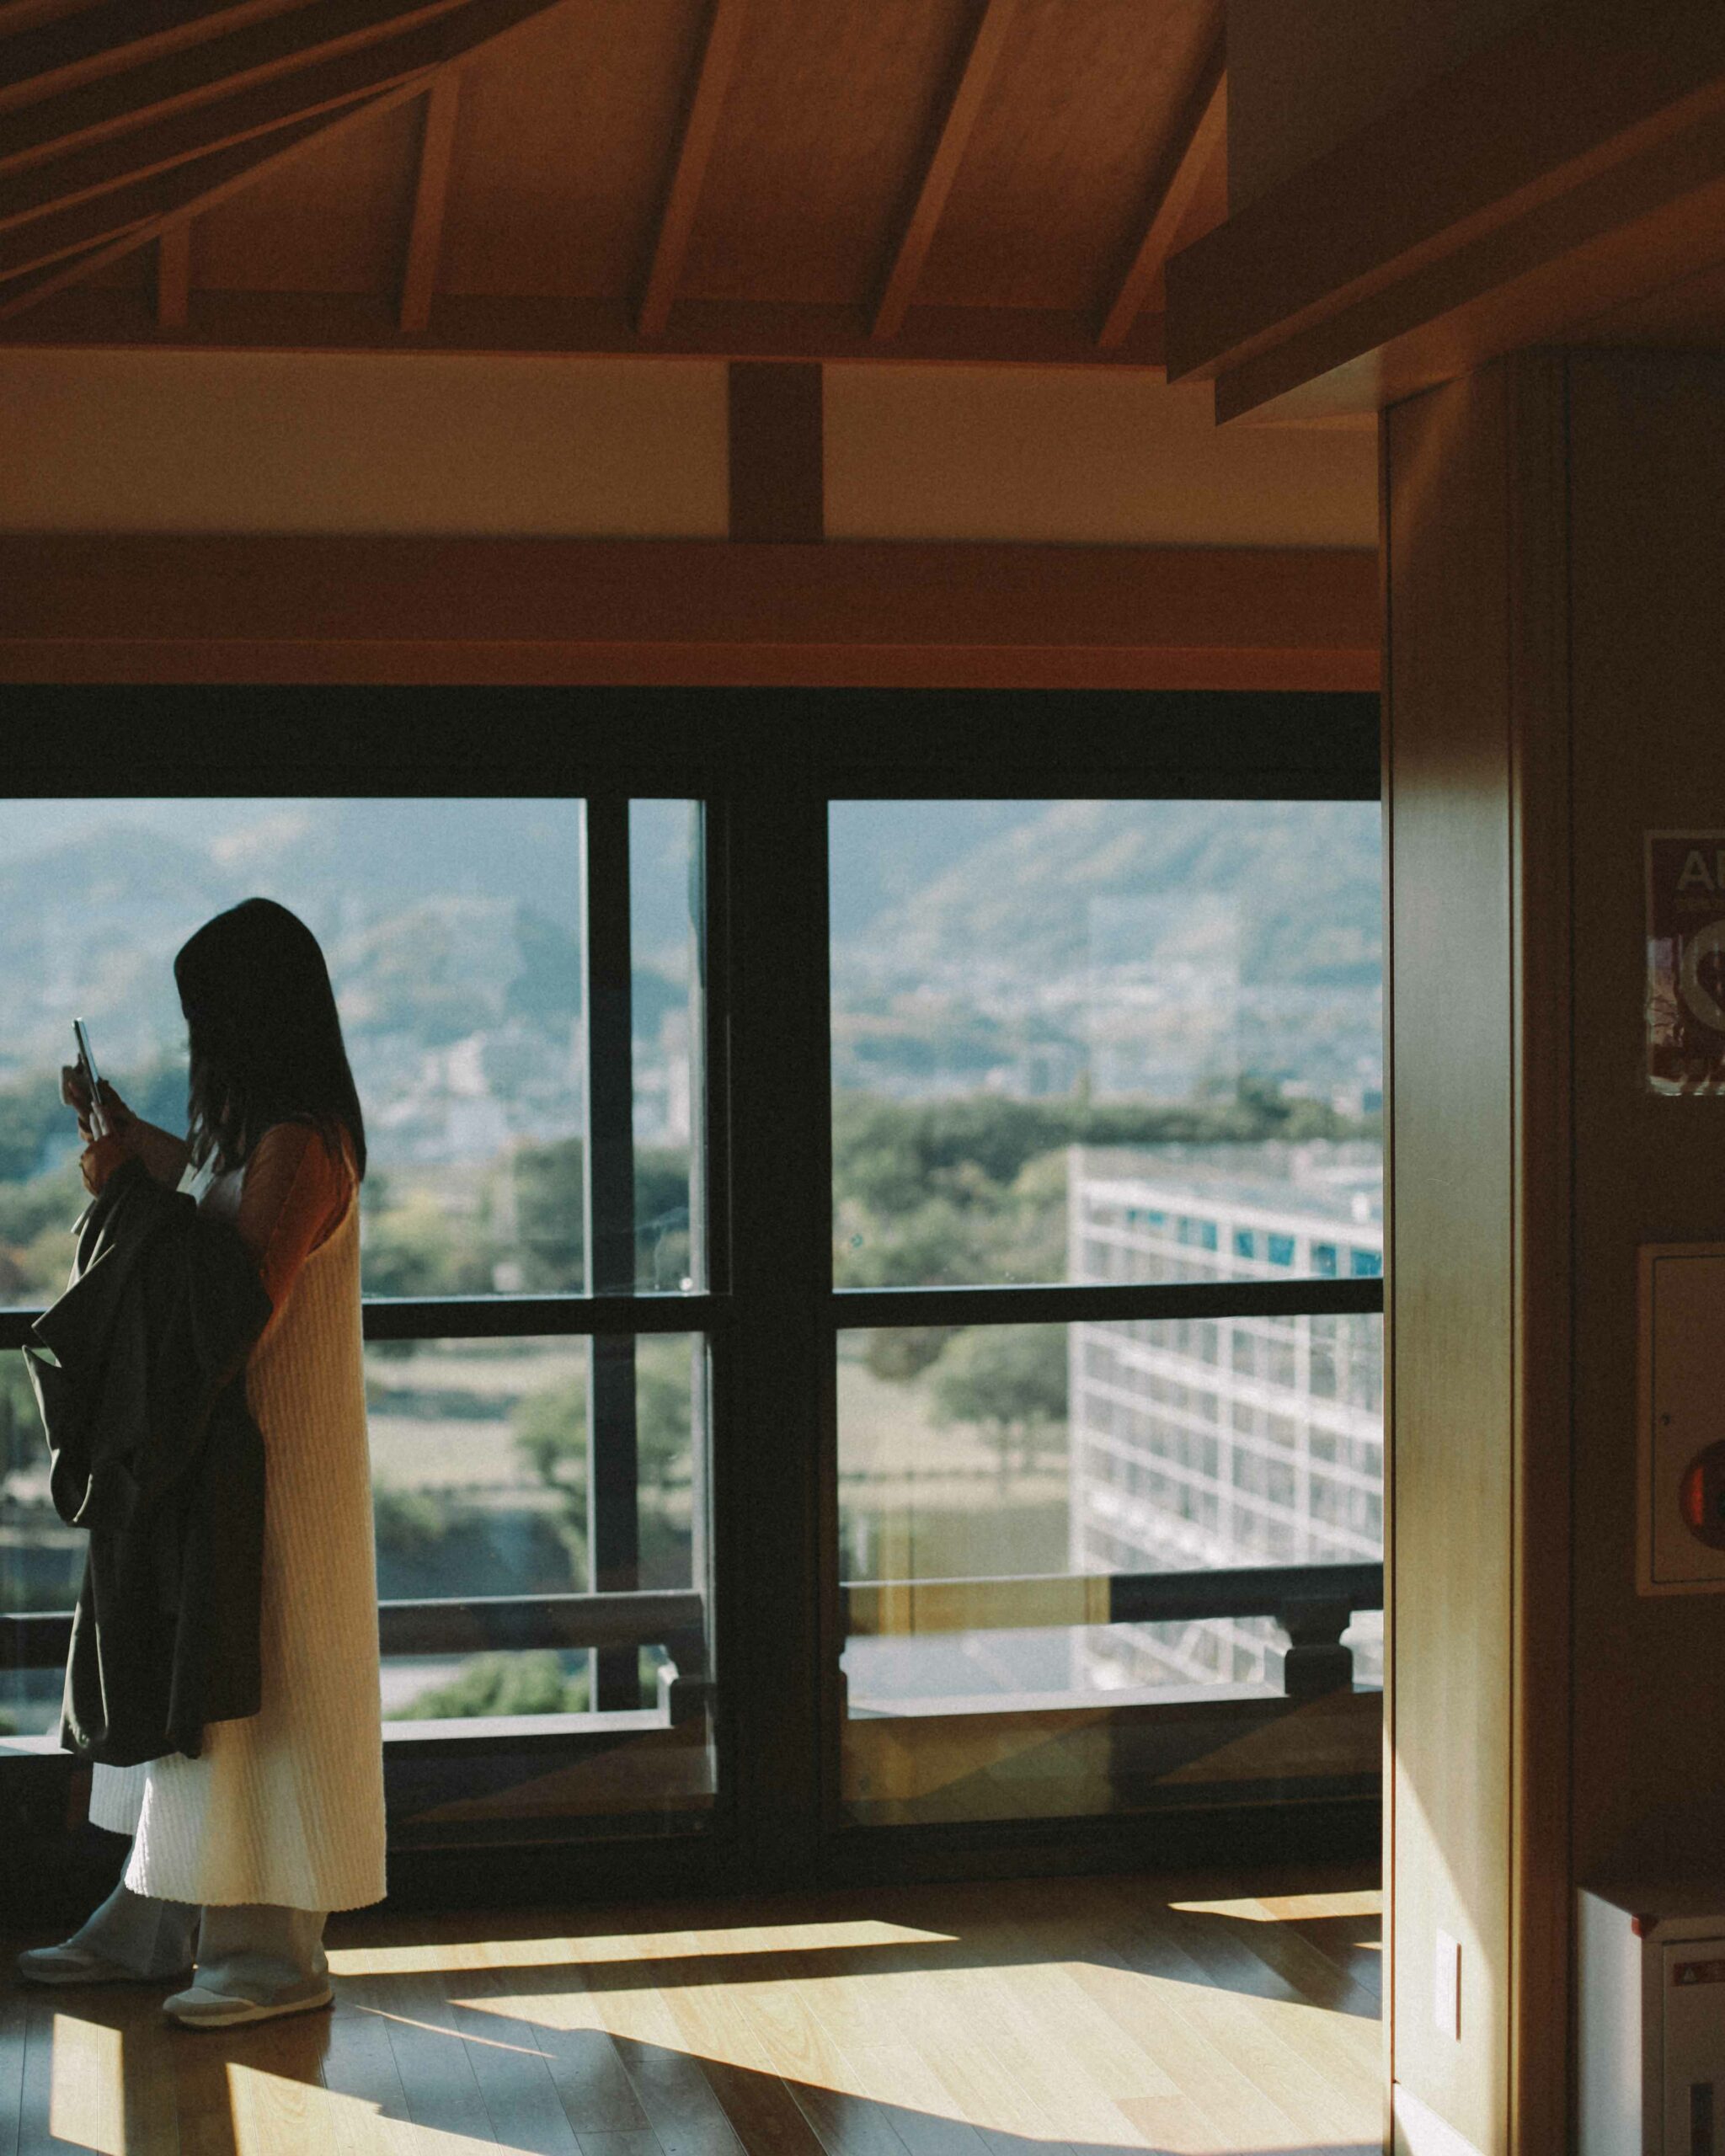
column 1446, row 1987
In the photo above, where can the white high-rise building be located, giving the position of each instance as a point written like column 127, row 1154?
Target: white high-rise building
column 1207, row 1442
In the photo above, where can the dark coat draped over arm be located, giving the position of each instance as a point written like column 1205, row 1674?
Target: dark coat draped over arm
column 139, row 1370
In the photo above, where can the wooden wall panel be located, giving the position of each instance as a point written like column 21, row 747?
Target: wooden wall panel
column 1647, row 562
column 1114, row 459
column 1557, row 543
column 1450, row 1262
column 263, row 441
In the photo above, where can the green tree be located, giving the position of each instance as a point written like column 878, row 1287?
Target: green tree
column 22, row 1443
column 975, row 1188
column 1010, row 1382
column 551, row 1435
column 31, row 1114
column 418, row 1248
column 550, row 1202
column 530, row 1683
column 410, row 1522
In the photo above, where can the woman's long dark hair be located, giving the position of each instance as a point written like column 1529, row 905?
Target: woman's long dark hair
column 265, row 1038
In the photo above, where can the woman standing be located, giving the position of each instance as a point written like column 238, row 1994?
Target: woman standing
column 239, row 1855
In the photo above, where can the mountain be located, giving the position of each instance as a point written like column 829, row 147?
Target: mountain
column 883, row 854
column 1290, row 890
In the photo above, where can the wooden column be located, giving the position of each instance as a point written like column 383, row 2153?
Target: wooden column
column 1553, row 549
column 777, row 466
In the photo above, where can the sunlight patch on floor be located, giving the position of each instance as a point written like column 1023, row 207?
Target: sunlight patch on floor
column 271, row 2112
column 1275, row 1910
column 451, row 1957
column 87, row 2090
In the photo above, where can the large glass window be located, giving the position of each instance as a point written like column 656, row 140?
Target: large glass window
column 1059, row 1496
column 1104, row 1044
column 520, row 992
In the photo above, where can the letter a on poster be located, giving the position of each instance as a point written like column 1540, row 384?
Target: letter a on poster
column 1686, row 962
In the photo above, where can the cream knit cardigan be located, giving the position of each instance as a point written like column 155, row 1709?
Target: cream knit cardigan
column 286, row 1807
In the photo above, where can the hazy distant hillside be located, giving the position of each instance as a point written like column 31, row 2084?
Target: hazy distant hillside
column 1076, row 883
column 89, row 927
column 401, row 850
column 395, row 849
column 883, row 853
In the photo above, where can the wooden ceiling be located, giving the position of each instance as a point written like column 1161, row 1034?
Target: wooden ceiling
column 980, row 180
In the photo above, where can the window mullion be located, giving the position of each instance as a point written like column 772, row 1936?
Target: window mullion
column 608, row 1189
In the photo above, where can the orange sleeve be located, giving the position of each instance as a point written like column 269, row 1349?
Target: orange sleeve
column 296, row 1193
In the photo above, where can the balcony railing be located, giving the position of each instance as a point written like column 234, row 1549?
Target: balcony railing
column 1313, row 1604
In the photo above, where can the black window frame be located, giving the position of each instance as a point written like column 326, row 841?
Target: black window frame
column 766, row 764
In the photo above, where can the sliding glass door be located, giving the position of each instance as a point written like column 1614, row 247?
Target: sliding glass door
column 522, row 988
column 871, row 1255
column 1108, row 1182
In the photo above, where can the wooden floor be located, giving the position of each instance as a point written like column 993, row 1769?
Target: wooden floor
column 1091, row 2015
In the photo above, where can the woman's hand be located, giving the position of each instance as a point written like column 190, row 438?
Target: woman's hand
column 99, row 1159
column 101, row 1155
column 76, row 1094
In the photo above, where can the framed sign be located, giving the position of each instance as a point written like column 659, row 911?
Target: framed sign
column 1685, row 873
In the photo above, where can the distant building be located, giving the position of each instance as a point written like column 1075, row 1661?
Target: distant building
column 1219, row 1442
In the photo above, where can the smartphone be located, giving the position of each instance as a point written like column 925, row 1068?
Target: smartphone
column 86, row 1064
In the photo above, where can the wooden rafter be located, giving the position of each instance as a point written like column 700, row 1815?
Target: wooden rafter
column 219, row 67
column 251, row 133
column 1196, row 137
column 173, row 277
column 431, row 192
column 945, row 155
column 121, row 160
column 48, row 57
column 69, row 245
column 694, row 151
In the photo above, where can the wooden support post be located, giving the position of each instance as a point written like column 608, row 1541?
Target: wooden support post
column 777, row 473
column 173, row 276
column 431, row 192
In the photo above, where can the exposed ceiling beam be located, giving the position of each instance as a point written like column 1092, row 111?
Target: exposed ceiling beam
column 108, row 316
column 47, row 57
column 173, row 277
column 1574, row 165
column 82, row 239
column 218, row 67
column 98, row 227
column 895, row 613
column 1198, row 134
column 941, row 168
column 694, row 151
column 98, row 166
column 430, row 193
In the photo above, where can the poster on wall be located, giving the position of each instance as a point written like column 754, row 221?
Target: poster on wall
column 1686, row 962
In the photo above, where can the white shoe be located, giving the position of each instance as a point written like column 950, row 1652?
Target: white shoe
column 77, row 1965
column 198, row 2008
